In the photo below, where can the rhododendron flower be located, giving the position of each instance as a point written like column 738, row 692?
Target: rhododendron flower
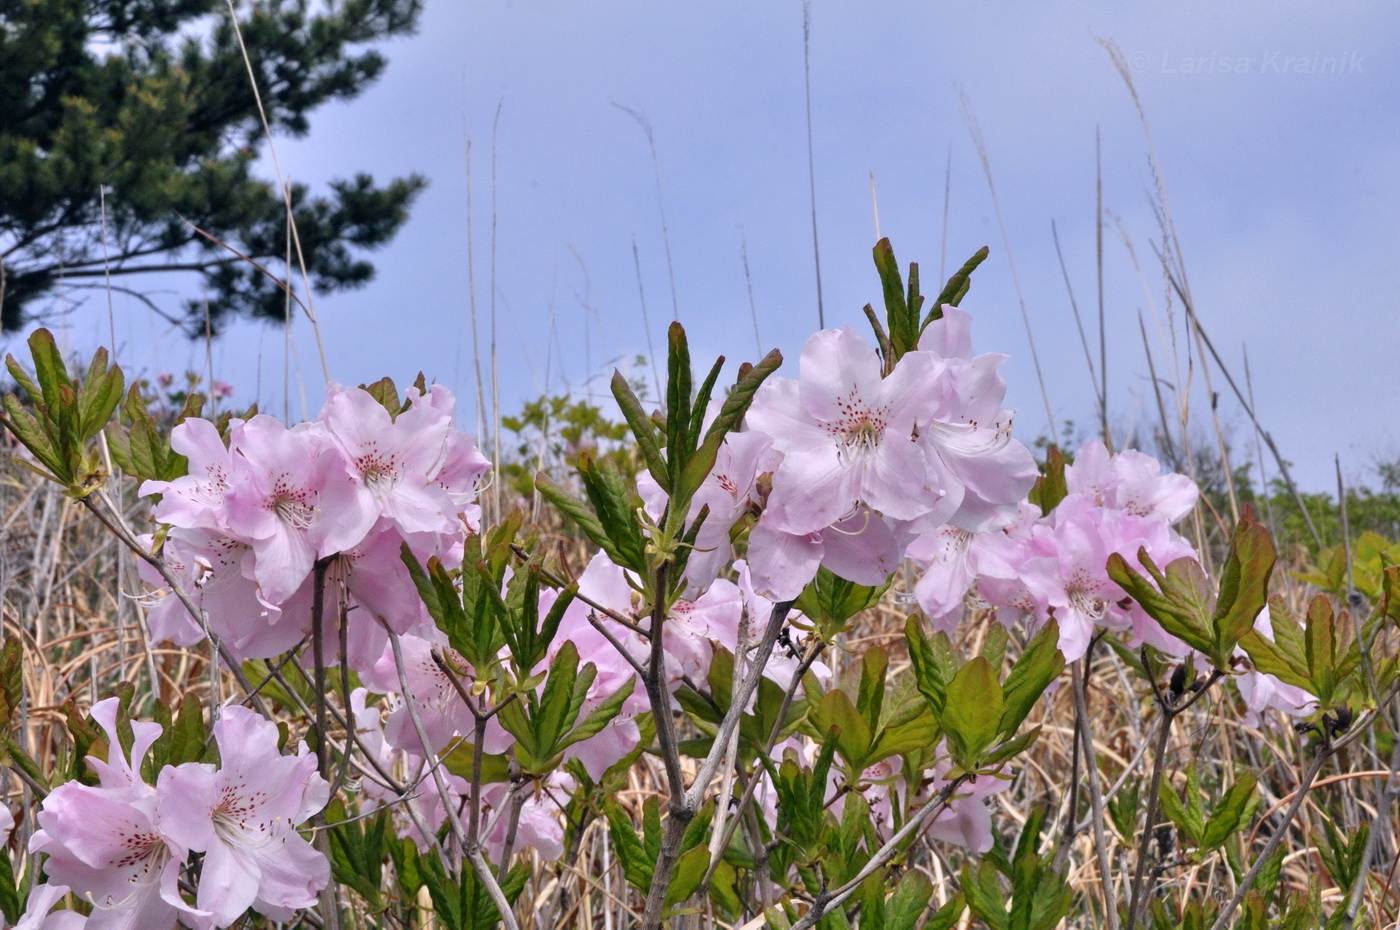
column 1073, row 582
column 216, row 571
column 965, row 821
column 950, row 567
column 394, row 459
column 965, row 431
column 195, row 500
column 463, row 464
column 538, row 827
column 243, row 817
column 862, row 547
column 437, row 701
column 293, row 501
column 1131, row 481
column 105, row 842
column 41, row 900
column 847, row 436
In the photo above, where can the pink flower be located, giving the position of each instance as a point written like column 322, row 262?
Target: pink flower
column 41, row 900
column 847, row 437
column 462, row 464
column 966, row 432
column 1131, row 481
column 436, row 700
column 861, row 547
column 243, row 817
column 292, row 501
column 393, row 459
column 217, row 572
column 950, row 567
column 197, row 499
column 105, row 842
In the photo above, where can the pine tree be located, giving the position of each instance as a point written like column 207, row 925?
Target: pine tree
column 143, row 110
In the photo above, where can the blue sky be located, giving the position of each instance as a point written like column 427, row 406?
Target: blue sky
column 1274, row 124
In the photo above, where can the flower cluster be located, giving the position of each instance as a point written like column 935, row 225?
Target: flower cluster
column 848, row 465
column 1044, row 565
column 122, row 843
column 253, row 517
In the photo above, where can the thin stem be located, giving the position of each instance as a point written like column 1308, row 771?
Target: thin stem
column 1164, row 726
column 100, row 506
column 479, row 864
column 1091, row 769
column 1228, row 911
column 330, row 895
column 1381, row 818
column 684, row 804
column 1169, row 711
column 826, row 900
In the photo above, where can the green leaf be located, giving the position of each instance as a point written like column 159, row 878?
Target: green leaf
column 947, row 916
column 579, row 513
column 1244, row 583
column 612, row 502
column 777, row 918
column 853, row 733
column 1182, row 605
column 1320, row 648
column 642, row 428
column 49, row 369
column 932, row 664
column 830, row 601
column 600, row 716
column 1269, row 658
column 910, row 899
column 1050, row 488
column 10, row 904
column 690, row 872
column 637, row 863
column 678, row 396
column 957, row 285
column 1012, row 747
column 702, row 400
column 917, row 733
column 357, row 855
column 11, row 680
column 724, row 889
column 973, row 711
column 731, row 413
column 901, row 328
column 1178, row 813
column 1040, row 664
column 1232, row 813
column 981, row 887
column 870, row 699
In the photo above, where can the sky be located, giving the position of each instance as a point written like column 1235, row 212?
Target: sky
column 1274, row 127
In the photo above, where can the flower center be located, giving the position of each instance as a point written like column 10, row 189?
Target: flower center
column 1088, row 603
column 379, row 472
column 291, row 503
column 858, row 428
column 236, row 820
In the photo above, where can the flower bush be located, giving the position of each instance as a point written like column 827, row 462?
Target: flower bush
column 413, row 701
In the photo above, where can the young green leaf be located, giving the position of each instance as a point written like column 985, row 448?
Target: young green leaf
column 973, row 711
